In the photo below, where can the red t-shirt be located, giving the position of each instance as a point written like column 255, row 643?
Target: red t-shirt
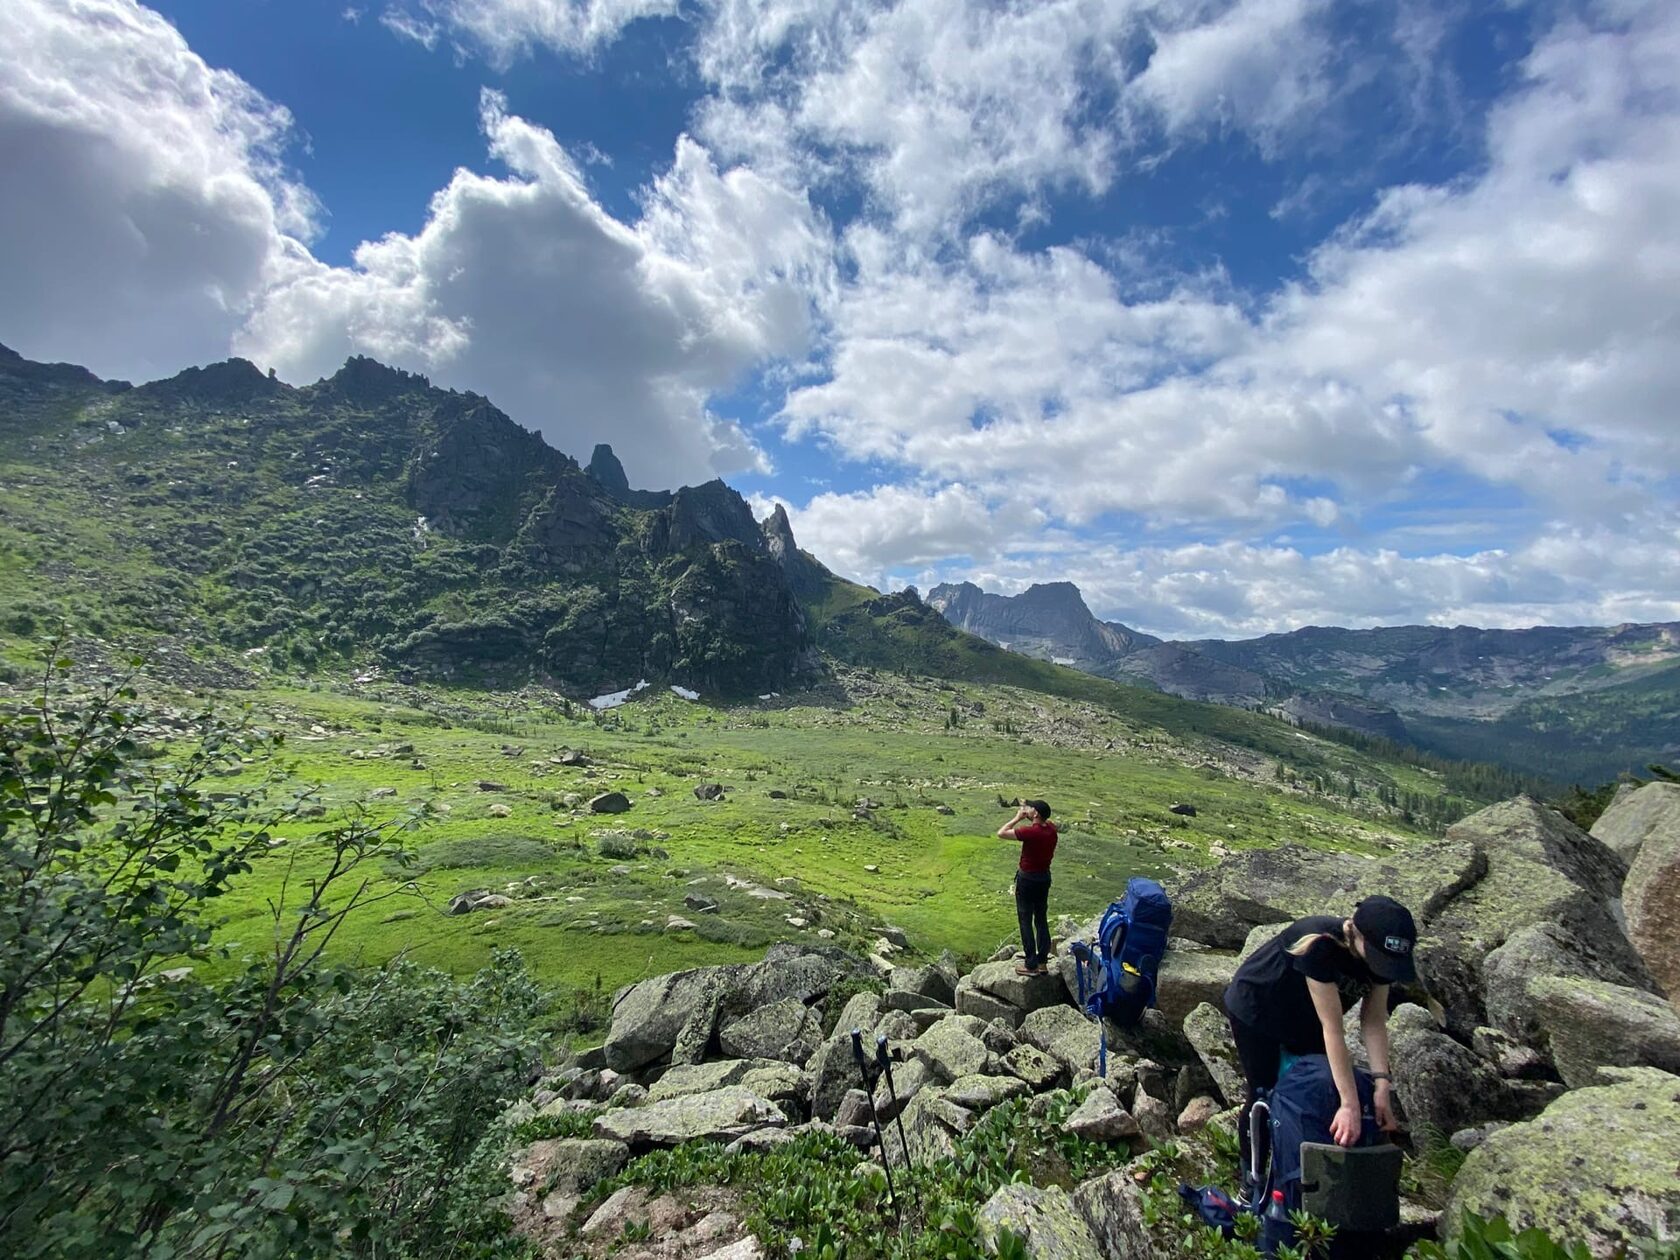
column 1038, row 845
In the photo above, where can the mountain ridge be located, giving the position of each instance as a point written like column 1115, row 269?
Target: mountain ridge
column 1445, row 689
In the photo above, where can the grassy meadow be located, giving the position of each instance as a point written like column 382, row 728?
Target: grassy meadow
column 872, row 803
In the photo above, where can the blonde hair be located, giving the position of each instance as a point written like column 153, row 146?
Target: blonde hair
column 1300, row 947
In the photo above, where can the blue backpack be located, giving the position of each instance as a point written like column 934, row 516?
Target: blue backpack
column 1117, row 977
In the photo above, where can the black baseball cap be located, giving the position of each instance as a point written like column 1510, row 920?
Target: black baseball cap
column 1390, row 937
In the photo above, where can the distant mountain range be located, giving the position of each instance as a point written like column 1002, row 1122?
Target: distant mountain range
column 371, row 519
column 1554, row 701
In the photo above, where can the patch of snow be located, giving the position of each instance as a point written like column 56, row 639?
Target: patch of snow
column 684, row 693
column 768, row 695
column 613, row 699
column 1061, row 660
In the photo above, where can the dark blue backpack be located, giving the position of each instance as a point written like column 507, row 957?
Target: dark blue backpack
column 1117, row 976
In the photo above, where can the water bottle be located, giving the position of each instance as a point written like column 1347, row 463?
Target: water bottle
column 1276, row 1230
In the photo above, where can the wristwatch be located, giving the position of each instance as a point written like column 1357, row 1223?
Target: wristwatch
column 1382, row 1076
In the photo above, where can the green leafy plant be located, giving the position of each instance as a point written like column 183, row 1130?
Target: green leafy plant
column 1491, row 1238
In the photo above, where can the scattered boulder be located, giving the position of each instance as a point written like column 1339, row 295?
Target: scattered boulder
column 1197, row 1114
column 1635, row 815
column 1591, row 1025
column 1597, row 1166
column 1443, row 1086
column 1209, row 1033
column 499, row 810
column 1101, row 1118
column 949, row 1050
column 932, row 1124
column 936, row 982
column 1044, row 1217
column 831, row 1068
column 490, row 785
column 477, row 899
column 1153, row 1116
column 980, row 1092
column 1113, row 1207
column 1032, row 1065
column 1221, row 905
column 697, row 1078
column 1545, row 949
column 1189, row 978
column 1651, row 893
column 1023, row 993
column 1183, row 810
column 700, row 904
column 647, row 1017
column 908, row 1079
column 719, row 1116
column 610, row 803
column 708, row 792
column 787, row 1030
column 567, row 1166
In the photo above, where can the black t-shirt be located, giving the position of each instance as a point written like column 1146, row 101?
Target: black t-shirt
column 1269, row 991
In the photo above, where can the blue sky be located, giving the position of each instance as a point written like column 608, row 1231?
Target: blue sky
column 1242, row 314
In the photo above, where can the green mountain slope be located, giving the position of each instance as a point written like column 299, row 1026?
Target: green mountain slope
column 370, row 519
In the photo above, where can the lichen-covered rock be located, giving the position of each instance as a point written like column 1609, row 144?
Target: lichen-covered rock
column 832, row 1068
column 1045, row 1217
column 1591, row 1025
column 1536, row 867
column 1442, row 1086
column 1651, row 894
column 720, row 1116
column 979, row 1092
column 1153, row 1116
column 932, row 1125
column 698, row 1078
column 975, row 1001
column 1033, row 1066
column 949, row 1050
column 1025, row 993
column 1112, row 1205
column 1221, row 905
column 567, row 1166
column 648, row 1017
column 787, row 1030
column 1635, row 815
column 782, row 1083
column 934, row 982
column 1544, row 949
column 1188, row 978
column 908, row 1079
column 1597, row 1167
column 1209, row 1032
column 1101, row 1118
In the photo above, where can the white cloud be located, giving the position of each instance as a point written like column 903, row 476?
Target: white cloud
column 866, row 534
column 1515, row 329
column 505, row 30
column 576, row 324
column 145, row 204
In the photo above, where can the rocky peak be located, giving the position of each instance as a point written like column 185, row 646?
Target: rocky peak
column 711, row 513
column 368, row 382
column 778, row 536
column 229, row 383
column 605, row 467
column 14, row 365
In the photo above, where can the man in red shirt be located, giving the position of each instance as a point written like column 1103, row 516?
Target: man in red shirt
column 1037, row 835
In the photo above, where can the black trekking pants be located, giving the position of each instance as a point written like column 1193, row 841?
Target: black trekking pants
column 1032, row 909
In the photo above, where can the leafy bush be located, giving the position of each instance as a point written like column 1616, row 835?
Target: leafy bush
column 1491, row 1238
column 158, row 1097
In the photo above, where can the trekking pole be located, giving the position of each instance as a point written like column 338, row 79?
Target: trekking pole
column 869, row 1092
column 883, row 1062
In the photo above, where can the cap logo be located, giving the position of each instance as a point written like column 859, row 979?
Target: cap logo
column 1397, row 945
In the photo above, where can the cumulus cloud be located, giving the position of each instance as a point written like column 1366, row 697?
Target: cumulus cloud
column 1514, row 329
column 146, row 203
column 577, row 324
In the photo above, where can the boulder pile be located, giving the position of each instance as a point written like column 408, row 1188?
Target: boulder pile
column 1541, row 1038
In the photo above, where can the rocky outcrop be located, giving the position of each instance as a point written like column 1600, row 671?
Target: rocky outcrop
column 1590, row 1026
column 1113, row 1207
column 1651, row 892
column 721, row 1115
column 1597, row 1166
column 1544, row 949
column 1635, row 815
column 1045, row 1217
column 787, row 1030
column 1209, row 1032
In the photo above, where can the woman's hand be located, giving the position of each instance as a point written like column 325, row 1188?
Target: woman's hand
column 1384, row 1100
column 1346, row 1126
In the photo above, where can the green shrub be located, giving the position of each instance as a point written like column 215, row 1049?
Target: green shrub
column 1491, row 1238
column 283, row 1108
